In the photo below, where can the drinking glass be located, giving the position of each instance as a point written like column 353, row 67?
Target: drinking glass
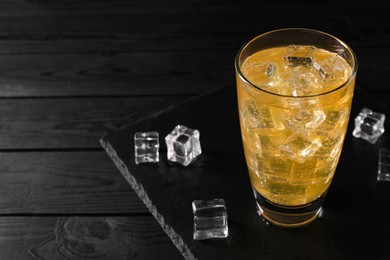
column 294, row 88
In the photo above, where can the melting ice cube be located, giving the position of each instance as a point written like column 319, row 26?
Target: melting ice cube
column 146, row 147
column 210, row 219
column 183, row 145
column 384, row 165
column 369, row 125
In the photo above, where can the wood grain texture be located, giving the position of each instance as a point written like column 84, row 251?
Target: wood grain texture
column 77, row 238
column 165, row 54
column 114, row 74
column 64, row 183
column 70, row 122
column 143, row 74
column 72, row 71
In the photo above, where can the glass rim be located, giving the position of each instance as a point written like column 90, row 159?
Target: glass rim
column 346, row 46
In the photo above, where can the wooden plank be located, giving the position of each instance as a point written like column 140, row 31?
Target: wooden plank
column 183, row 73
column 172, row 32
column 56, row 27
column 58, row 238
column 384, row 97
column 210, row 32
column 146, row 73
column 68, row 123
column 63, row 183
column 43, row 7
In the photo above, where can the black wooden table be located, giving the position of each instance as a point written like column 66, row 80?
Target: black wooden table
column 73, row 71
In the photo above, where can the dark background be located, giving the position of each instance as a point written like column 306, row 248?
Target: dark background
column 72, row 71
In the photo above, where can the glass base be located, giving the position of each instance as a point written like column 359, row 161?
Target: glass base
column 288, row 216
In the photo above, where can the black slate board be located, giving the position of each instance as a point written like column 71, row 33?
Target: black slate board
column 354, row 225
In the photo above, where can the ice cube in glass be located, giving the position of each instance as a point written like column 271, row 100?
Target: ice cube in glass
column 256, row 117
column 210, row 219
column 259, row 73
column 299, row 55
column 331, row 68
column 299, row 148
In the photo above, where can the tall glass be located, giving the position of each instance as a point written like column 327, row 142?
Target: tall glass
column 294, row 89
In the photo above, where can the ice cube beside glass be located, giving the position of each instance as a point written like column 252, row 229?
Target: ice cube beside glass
column 183, row 145
column 146, row 147
column 210, row 219
column 384, row 165
column 369, row 125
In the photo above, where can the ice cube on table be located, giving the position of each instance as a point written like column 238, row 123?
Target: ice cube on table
column 369, row 125
column 183, row 145
column 384, row 165
column 146, row 147
column 299, row 55
column 210, row 219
